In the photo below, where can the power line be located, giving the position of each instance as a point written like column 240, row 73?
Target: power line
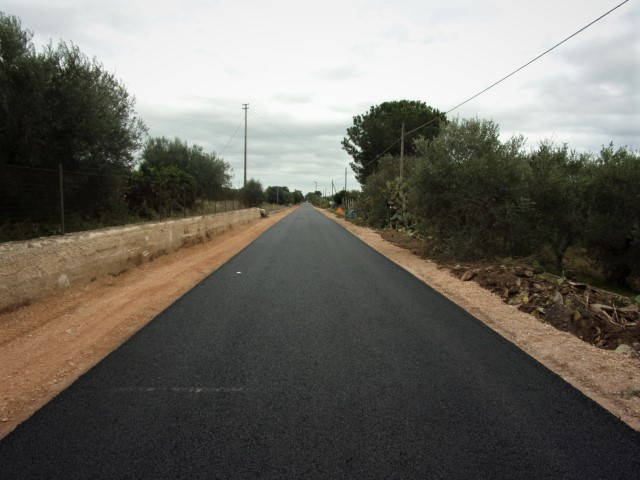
column 539, row 56
column 498, row 81
column 231, row 138
column 297, row 141
column 271, row 124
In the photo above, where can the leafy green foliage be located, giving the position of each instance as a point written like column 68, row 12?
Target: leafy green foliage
column 557, row 187
column 468, row 188
column 252, row 193
column 210, row 173
column 62, row 107
column 317, row 199
column 278, row 195
column 338, row 197
column 475, row 196
column 173, row 175
column 297, row 197
column 612, row 226
column 59, row 107
column 161, row 190
column 372, row 132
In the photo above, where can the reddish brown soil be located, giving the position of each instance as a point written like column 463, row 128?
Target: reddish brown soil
column 45, row 346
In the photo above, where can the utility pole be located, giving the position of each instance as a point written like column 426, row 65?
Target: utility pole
column 345, row 179
column 245, row 107
column 345, row 193
column 316, row 186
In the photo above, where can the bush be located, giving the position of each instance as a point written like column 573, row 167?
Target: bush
column 252, row 194
column 557, row 188
column 469, row 190
column 478, row 197
column 278, row 195
column 61, row 108
column 612, row 227
column 161, row 190
column 375, row 204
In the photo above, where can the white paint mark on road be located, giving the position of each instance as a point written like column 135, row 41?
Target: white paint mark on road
column 195, row 390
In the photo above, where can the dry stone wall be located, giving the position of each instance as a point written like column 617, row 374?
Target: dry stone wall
column 43, row 266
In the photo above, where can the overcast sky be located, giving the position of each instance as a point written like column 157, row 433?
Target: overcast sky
column 306, row 68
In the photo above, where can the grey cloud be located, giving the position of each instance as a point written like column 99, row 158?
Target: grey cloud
column 351, row 109
column 592, row 100
column 45, row 19
column 396, row 32
column 610, row 61
column 293, row 98
column 52, row 22
column 297, row 131
column 48, row 18
column 340, row 72
column 280, row 150
column 199, row 126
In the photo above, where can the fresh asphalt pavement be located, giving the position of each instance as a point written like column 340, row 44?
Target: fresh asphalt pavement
column 309, row 355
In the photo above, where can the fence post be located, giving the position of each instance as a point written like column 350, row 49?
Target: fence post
column 61, row 196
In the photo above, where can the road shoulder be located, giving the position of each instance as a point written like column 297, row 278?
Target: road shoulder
column 606, row 377
column 46, row 346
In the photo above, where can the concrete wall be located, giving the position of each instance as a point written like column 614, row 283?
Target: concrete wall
column 40, row 267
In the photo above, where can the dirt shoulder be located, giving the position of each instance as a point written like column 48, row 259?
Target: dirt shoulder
column 46, row 346
column 609, row 378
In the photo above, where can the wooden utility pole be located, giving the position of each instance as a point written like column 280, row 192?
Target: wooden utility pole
column 245, row 107
column 345, row 193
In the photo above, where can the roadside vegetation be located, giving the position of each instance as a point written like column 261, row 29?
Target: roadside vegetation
column 472, row 196
column 543, row 228
column 69, row 128
column 552, row 231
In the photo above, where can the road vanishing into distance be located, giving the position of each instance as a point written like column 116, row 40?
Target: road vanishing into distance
column 309, row 355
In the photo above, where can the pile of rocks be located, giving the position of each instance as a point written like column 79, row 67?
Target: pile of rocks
column 601, row 318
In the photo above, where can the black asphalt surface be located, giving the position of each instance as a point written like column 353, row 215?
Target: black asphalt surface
column 309, row 355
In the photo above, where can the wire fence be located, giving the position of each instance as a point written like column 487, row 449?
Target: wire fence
column 36, row 202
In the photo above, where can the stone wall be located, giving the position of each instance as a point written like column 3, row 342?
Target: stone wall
column 40, row 267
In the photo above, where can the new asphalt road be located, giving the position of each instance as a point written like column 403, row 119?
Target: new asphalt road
column 309, row 355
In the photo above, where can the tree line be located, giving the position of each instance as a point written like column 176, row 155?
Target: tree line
column 61, row 111
column 253, row 194
column 473, row 196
